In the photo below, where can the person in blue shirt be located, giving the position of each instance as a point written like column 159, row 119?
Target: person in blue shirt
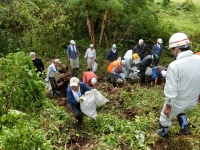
column 157, row 49
column 74, row 91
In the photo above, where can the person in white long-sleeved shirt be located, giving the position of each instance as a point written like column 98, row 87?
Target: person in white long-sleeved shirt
column 51, row 74
column 182, row 88
column 90, row 55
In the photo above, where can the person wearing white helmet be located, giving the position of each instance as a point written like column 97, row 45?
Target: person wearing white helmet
column 157, row 49
column 89, row 78
column 141, row 48
column 182, row 88
column 114, row 69
column 112, row 54
column 73, row 55
column 90, row 55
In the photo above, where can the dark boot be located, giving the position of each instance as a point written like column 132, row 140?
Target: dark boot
column 185, row 128
column 163, row 131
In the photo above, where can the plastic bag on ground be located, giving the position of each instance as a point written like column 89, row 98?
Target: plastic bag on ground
column 94, row 69
column 88, row 105
column 148, row 71
column 48, row 88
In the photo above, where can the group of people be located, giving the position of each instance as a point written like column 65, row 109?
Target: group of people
column 182, row 87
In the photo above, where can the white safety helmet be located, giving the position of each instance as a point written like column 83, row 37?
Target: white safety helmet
column 163, row 73
column 114, row 46
column 159, row 40
column 91, row 45
column 123, row 62
column 32, row 54
column 141, row 41
column 72, row 42
column 93, row 81
column 179, row 40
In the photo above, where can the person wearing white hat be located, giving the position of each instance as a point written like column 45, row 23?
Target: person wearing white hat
column 90, row 55
column 157, row 49
column 89, row 78
column 51, row 74
column 141, row 48
column 182, row 88
column 112, row 54
column 73, row 55
column 74, row 91
column 37, row 62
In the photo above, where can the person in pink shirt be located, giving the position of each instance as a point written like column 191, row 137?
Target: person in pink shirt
column 89, row 78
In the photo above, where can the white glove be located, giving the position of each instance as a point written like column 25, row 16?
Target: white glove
column 79, row 100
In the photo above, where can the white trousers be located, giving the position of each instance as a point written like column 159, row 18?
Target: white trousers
column 90, row 63
column 74, row 62
column 177, row 108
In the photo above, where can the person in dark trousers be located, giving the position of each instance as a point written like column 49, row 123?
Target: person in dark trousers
column 74, row 91
column 37, row 62
column 157, row 49
column 149, row 60
column 141, row 48
column 112, row 54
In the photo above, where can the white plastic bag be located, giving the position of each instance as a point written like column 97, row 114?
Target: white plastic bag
column 122, row 75
column 148, row 71
column 88, row 105
column 48, row 88
column 99, row 98
column 94, row 69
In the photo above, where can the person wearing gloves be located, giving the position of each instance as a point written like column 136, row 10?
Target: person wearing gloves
column 148, row 61
column 160, row 73
column 141, row 48
column 37, row 62
column 74, row 91
column 157, row 49
column 112, row 54
column 90, row 55
column 129, row 63
column 73, row 55
column 89, row 78
column 114, row 69
column 182, row 88
column 51, row 74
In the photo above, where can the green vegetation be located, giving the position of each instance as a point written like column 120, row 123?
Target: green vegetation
column 29, row 120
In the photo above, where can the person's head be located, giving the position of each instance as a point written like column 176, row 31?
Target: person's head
column 57, row 62
column 134, row 49
column 72, row 42
column 93, row 81
column 114, row 47
column 141, row 41
column 159, row 41
column 32, row 54
column 179, row 42
column 155, row 56
column 135, row 56
column 123, row 62
column 74, row 83
column 91, row 46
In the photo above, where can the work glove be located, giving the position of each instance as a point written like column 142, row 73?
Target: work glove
column 79, row 100
column 118, row 75
column 167, row 110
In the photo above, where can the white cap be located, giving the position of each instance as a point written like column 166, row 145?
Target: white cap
column 74, row 81
column 164, row 73
column 93, row 81
column 114, row 46
column 57, row 61
column 91, row 45
column 72, row 42
column 141, row 41
column 123, row 62
column 159, row 40
column 32, row 53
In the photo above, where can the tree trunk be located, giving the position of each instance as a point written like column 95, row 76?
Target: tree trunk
column 90, row 24
column 103, row 26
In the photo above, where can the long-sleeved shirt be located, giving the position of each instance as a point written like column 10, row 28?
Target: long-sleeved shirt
column 70, row 97
column 52, row 70
column 87, row 76
column 90, row 53
column 147, row 61
column 157, row 49
column 129, row 62
column 141, row 49
column 112, row 56
column 38, row 64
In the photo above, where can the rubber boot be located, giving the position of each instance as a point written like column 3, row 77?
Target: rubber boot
column 185, row 128
column 163, row 131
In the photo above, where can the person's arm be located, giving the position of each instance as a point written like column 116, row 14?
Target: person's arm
column 84, row 78
column 108, row 56
column 114, row 69
column 86, row 53
column 153, row 50
column 42, row 65
column 79, row 54
column 48, row 72
column 94, row 55
column 156, row 80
